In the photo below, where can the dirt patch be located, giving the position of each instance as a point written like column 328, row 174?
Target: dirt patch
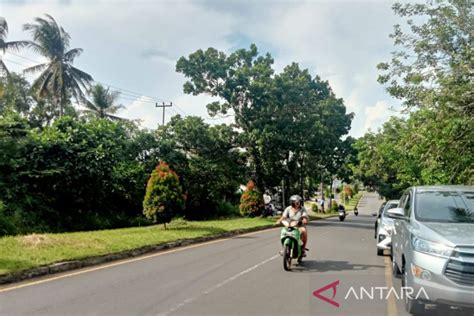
column 36, row 240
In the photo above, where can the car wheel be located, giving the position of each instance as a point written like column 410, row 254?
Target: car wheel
column 412, row 306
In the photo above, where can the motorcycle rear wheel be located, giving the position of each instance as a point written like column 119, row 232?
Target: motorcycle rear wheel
column 287, row 258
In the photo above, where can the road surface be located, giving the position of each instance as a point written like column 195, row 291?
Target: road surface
column 238, row 276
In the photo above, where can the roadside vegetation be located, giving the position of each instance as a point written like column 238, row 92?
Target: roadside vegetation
column 431, row 73
column 35, row 250
column 69, row 162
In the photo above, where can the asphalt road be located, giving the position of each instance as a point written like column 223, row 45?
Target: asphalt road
column 237, row 276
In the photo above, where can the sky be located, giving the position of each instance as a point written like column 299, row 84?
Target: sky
column 134, row 45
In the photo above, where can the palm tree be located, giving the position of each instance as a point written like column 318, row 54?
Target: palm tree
column 102, row 104
column 5, row 46
column 58, row 78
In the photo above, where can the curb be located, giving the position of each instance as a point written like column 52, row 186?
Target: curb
column 92, row 261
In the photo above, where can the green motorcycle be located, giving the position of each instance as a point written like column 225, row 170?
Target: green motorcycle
column 291, row 241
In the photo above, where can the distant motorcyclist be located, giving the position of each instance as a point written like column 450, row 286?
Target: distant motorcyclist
column 296, row 211
column 269, row 209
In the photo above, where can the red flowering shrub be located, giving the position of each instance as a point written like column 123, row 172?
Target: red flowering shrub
column 348, row 191
column 164, row 195
column 251, row 201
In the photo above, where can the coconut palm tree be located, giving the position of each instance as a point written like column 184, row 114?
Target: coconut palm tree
column 103, row 103
column 7, row 46
column 58, row 78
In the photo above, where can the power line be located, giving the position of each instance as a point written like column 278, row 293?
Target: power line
column 129, row 95
column 136, row 99
column 121, row 90
column 180, row 109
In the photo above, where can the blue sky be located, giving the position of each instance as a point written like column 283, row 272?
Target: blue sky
column 135, row 45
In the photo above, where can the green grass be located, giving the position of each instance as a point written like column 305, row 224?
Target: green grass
column 351, row 203
column 24, row 252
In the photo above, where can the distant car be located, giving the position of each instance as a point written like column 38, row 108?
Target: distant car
column 433, row 245
column 384, row 227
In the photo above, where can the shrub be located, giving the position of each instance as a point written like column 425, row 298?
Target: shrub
column 348, row 192
column 164, row 196
column 227, row 209
column 356, row 188
column 6, row 227
column 251, row 201
column 315, row 208
column 334, row 206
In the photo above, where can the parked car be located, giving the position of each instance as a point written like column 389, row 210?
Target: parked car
column 433, row 245
column 384, row 227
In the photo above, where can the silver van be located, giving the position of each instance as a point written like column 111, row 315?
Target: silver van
column 433, row 245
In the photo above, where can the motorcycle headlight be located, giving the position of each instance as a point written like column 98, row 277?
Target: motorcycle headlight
column 431, row 248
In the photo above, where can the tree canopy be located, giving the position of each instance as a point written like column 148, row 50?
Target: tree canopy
column 432, row 74
column 290, row 122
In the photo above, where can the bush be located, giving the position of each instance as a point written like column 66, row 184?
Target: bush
column 348, row 192
column 164, row 196
column 227, row 209
column 315, row 208
column 334, row 206
column 356, row 188
column 251, row 201
column 6, row 227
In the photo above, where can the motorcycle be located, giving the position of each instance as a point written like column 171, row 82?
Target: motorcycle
column 356, row 211
column 342, row 215
column 269, row 210
column 290, row 238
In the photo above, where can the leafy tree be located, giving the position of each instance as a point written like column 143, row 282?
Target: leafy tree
column 242, row 80
column 210, row 166
column 432, row 73
column 13, row 142
column 251, row 202
column 15, row 95
column 59, row 79
column 103, row 103
column 282, row 118
column 164, row 195
column 382, row 160
column 7, row 46
column 433, row 67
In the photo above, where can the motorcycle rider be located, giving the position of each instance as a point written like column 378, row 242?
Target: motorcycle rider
column 341, row 208
column 296, row 211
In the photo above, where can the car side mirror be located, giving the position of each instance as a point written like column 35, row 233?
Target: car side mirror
column 396, row 213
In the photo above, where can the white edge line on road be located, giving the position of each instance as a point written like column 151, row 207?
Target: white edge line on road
column 217, row 286
column 105, row 266
column 391, row 304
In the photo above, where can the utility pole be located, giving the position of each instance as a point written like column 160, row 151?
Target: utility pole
column 163, row 105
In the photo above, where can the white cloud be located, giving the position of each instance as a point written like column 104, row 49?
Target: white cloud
column 133, row 45
column 376, row 115
column 196, row 105
column 144, row 110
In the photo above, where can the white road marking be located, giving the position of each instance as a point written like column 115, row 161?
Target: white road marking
column 125, row 261
column 217, row 286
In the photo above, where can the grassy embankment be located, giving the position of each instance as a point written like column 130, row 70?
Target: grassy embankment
column 25, row 252
column 351, row 203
